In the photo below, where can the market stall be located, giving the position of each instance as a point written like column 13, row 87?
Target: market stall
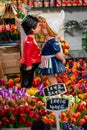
column 42, row 107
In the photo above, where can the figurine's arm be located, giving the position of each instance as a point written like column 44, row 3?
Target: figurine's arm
column 28, row 54
column 60, row 56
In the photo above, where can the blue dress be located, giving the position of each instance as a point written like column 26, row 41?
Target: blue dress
column 49, row 63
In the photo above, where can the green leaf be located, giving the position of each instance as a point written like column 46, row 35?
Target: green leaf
column 61, row 125
column 83, row 113
column 77, row 100
column 73, row 108
column 68, row 89
column 11, row 126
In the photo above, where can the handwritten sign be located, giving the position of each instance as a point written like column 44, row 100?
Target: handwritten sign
column 54, row 89
column 57, row 104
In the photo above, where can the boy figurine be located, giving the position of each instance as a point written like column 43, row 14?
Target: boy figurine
column 31, row 52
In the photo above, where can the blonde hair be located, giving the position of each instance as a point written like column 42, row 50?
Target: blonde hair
column 50, row 32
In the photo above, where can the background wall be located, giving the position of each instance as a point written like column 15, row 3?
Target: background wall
column 78, row 14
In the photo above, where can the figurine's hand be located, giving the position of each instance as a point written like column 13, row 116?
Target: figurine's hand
column 60, row 56
column 29, row 68
column 64, row 61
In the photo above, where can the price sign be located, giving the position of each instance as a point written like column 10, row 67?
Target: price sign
column 57, row 104
column 54, row 89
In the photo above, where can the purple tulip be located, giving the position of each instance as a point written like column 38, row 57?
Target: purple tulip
column 65, row 125
column 1, row 93
column 5, row 95
column 69, row 126
column 82, row 128
column 23, row 90
column 15, row 89
column 19, row 93
column 10, row 95
column 73, row 127
column 5, row 90
column 10, row 90
column 40, row 88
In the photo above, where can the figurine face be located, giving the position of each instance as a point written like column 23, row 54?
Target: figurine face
column 37, row 30
column 44, row 29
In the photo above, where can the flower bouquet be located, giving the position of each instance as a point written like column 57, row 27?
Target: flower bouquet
column 12, row 89
column 21, row 112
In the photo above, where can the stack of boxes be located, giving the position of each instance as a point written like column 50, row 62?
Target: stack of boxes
column 9, row 61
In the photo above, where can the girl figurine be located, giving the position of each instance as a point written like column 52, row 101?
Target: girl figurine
column 31, row 52
column 52, row 59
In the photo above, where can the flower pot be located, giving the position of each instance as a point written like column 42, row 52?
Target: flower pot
column 27, row 128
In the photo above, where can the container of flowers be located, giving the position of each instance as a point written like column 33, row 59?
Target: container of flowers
column 21, row 113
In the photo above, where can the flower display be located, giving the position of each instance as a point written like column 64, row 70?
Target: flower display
column 65, row 47
column 22, row 112
column 18, row 109
column 9, row 33
column 11, row 89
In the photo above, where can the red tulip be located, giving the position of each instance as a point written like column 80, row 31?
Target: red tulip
column 0, row 124
column 27, row 109
column 21, row 109
column 31, row 114
column 28, row 123
column 10, row 83
column 12, row 120
column 14, row 111
column 42, row 112
column 36, row 117
column 5, row 121
column 2, row 113
column 22, row 119
column 36, row 82
column 7, row 111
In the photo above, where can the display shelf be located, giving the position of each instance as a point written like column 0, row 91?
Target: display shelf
column 58, row 7
column 66, row 8
column 9, row 43
column 53, row 3
column 75, row 54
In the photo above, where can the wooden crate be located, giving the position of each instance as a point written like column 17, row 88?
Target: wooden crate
column 1, row 71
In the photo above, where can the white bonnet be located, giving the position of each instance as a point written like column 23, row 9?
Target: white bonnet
column 54, row 20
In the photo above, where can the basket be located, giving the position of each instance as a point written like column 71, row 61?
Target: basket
column 8, row 13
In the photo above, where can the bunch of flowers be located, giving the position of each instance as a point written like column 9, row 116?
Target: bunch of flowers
column 10, row 83
column 74, row 118
column 12, row 89
column 9, row 32
column 20, row 113
column 65, row 47
column 13, row 93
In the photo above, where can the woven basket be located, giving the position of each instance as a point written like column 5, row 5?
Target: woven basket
column 8, row 13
